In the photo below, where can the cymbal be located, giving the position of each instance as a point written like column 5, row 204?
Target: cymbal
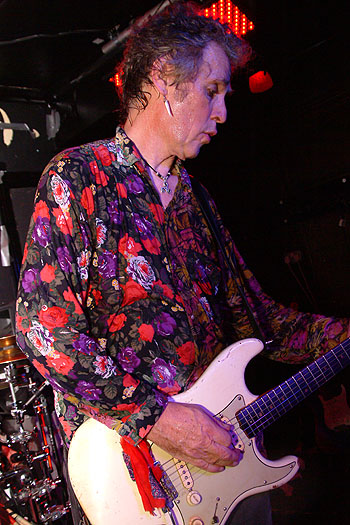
column 9, row 351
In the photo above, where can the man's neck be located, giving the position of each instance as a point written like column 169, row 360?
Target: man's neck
column 142, row 128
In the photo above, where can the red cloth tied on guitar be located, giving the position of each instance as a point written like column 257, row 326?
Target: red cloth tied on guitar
column 147, row 475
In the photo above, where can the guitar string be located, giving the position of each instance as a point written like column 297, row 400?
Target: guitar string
column 261, row 421
column 196, row 472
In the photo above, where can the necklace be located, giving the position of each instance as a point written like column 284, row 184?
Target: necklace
column 165, row 188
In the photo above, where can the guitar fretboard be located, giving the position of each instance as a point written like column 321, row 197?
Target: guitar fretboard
column 260, row 414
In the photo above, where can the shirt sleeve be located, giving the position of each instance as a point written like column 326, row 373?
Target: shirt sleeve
column 296, row 337
column 53, row 325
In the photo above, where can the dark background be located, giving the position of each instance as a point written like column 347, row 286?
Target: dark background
column 278, row 169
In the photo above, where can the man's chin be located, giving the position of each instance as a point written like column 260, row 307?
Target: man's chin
column 193, row 153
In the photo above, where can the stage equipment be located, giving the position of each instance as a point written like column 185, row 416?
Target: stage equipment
column 31, row 482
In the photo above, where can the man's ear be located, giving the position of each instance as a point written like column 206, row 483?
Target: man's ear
column 159, row 76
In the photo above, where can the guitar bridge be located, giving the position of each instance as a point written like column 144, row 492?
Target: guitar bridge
column 168, row 487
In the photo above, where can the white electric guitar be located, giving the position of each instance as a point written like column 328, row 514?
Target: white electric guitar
column 107, row 494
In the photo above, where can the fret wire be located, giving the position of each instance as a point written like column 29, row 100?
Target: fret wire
column 305, row 382
column 323, row 376
column 291, row 388
column 335, row 355
column 325, row 365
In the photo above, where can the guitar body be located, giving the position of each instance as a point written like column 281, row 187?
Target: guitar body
column 107, row 494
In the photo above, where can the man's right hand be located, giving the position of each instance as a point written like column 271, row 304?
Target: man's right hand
column 189, row 433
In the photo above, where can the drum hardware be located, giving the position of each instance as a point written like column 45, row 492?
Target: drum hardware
column 21, row 437
column 36, row 393
column 36, row 489
column 39, row 457
column 17, row 457
column 54, row 512
column 29, row 488
column 14, row 472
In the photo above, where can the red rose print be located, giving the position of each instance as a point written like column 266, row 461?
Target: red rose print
column 158, row 212
column 64, row 222
column 152, row 245
column 100, row 176
column 166, row 289
column 133, row 408
column 40, row 368
column 24, row 328
column 116, row 322
column 133, row 292
column 47, row 274
column 104, row 155
column 41, row 210
column 66, row 427
column 62, row 363
column 97, row 295
column 53, row 317
column 130, row 381
column 127, row 246
column 25, row 252
column 146, row 332
column 186, row 353
column 87, row 200
column 121, row 189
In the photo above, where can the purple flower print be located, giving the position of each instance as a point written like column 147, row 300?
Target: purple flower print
column 42, row 231
column 164, row 324
column 115, row 214
column 30, row 280
column 141, row 271
column 128, row 359
column 104, row 366
column 86, row 345
column 136, row 186
column 71, row 412
column 144, row 227
column 88, row 391
column 161, row 399
column 64, row 258
column 163, row 373
column 107, row 265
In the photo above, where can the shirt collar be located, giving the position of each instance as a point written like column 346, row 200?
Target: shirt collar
column 128, row 155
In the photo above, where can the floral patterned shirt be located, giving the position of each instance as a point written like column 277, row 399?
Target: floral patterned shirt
column 122, row 303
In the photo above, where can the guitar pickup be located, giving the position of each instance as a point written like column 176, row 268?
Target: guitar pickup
column 184, row 473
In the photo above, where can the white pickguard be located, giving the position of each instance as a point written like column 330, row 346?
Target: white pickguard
column 107, row 494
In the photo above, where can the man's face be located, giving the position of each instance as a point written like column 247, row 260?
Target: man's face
column 199, row 106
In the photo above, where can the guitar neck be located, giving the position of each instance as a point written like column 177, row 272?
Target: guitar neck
column 268, row 408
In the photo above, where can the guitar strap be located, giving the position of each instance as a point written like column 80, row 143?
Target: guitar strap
column 229, row 258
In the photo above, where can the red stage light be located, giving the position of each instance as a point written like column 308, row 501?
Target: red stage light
column 117, row 80
column 260, row 82
column 223, row 10
column 227, row 13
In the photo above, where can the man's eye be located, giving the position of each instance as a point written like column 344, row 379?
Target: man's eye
column 211, row 93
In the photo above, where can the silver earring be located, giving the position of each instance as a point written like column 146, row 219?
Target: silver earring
column 167, row 105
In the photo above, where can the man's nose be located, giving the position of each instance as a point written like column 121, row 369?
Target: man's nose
column 220, row 112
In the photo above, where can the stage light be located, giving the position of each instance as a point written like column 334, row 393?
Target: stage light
column 117, row 80
column 223, row 10
column 260, row 81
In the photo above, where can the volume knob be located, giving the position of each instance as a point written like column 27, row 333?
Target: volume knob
column 196, row 521
column 193, row 498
